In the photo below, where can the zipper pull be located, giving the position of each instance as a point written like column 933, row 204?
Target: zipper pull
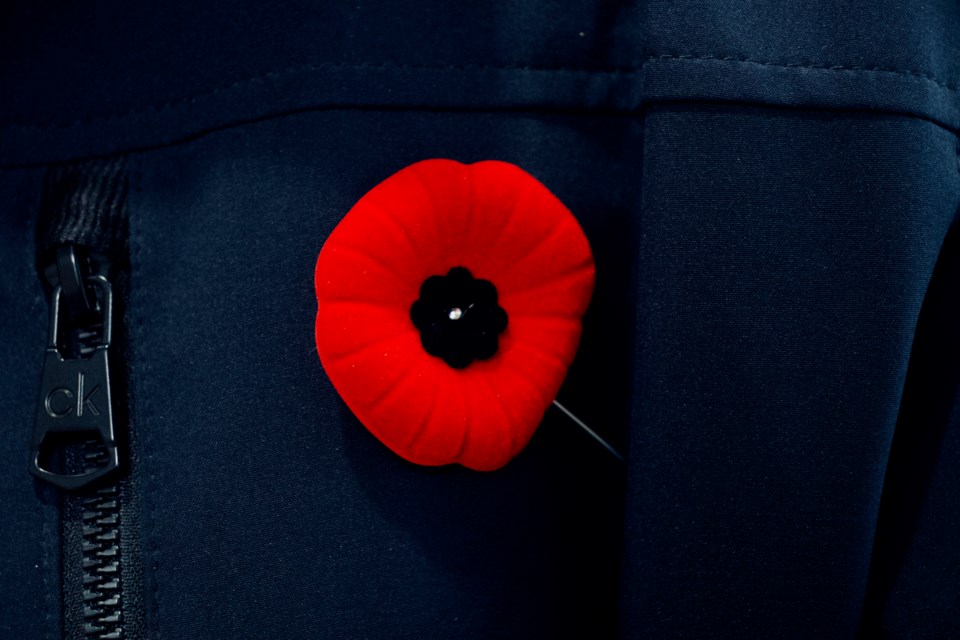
column 75, row 404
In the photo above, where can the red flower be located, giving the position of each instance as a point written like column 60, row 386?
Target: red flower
column 449, row 305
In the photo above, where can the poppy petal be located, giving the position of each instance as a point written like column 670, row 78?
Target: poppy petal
column 425, row 233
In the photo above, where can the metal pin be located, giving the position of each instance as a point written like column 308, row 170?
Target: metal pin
column 593, row 434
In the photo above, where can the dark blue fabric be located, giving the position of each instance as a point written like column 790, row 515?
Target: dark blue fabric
column 769, row 190
column 780, row 298
column 255, row 474
column 915, row 551
column 102, row 77
column 29, row 523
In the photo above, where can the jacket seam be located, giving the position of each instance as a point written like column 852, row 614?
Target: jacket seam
column 683, row 58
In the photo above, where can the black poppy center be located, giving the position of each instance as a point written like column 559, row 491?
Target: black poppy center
column 458, row 317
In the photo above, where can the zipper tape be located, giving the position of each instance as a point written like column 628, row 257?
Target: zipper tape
column 82, row 437
column 84, row 204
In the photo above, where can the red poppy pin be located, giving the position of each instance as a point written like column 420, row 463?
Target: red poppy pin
column 449, row 306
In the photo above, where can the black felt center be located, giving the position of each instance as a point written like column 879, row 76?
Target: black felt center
column 458, row 317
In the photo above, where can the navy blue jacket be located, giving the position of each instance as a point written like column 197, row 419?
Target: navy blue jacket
column 769, row 189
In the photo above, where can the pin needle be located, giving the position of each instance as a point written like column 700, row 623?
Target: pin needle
column 591, row 432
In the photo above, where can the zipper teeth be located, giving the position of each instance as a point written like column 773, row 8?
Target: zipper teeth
column 101, row 561
column 84, row 206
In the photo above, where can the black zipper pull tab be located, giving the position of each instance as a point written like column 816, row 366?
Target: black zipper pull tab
column 75, row 405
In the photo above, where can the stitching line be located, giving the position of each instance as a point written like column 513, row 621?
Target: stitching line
column 48, row 547
column 45, row 569
column 263, row 77
column 144, row 413
column 812, row 66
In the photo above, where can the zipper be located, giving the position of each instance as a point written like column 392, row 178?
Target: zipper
column 76, row 407
column 82, row 442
